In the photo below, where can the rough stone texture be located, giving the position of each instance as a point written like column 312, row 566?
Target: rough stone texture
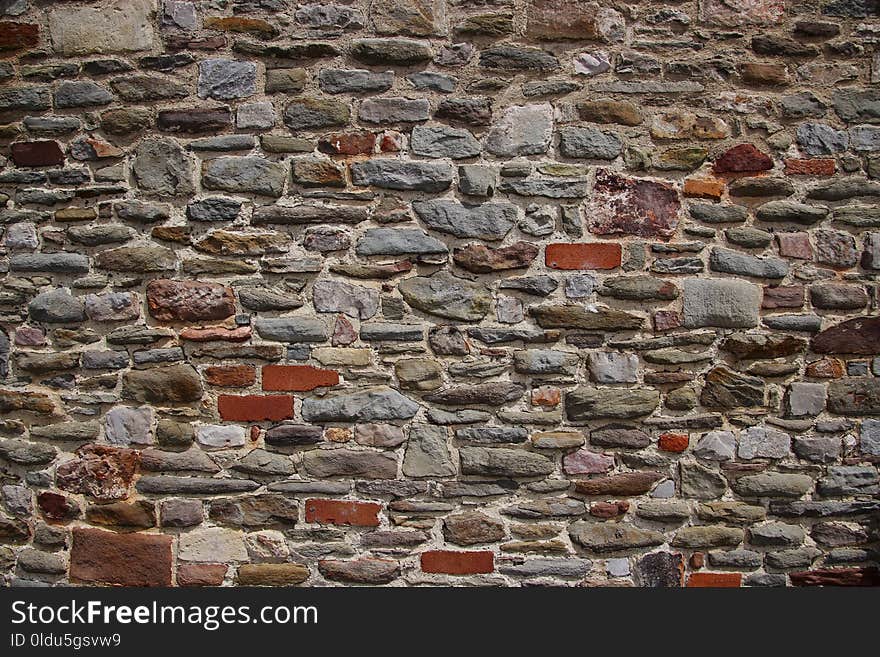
column 407, row 292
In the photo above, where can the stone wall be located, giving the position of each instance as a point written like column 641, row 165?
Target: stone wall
column 456, row 292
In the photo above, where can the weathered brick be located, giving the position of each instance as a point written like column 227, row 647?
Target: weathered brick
column 255, row 408
column 341, row 512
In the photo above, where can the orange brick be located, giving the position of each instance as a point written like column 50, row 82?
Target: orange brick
column 342, row 512
column 231, row 376
column 452, row 562
column 703, row 188
column 298, row 378
column 255, row 408
column 596, row 255
column 715, row 580
column 817, row 167
column 674, row 442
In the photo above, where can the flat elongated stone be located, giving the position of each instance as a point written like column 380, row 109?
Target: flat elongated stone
column 592, row 403
column 498, row 461
column 365, row 406
column 489, row 221
column 603, row 537
column 446, row 296
column 401, row 175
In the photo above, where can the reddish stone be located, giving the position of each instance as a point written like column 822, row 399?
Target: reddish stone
column 795, row 245
column 231, row 376
column 348, row 143
column 255, row 433
column 741, row 159
column 826, row 368
column 299, row 378
column 96, row 149
column 102, row 557
column 666, row 320
column 609, row 509
column 565, row 19
column 13, row 530
column 596, row 255
column 632, row 206
column 201, row 574
column 255, row 408
column 674, row 442
column 836, row 577
column 715, row 580
column 625, row 483
column 788, row 296
column 15, row 36
column 742, row 12
column 818, row 167
column 482, row 259
column 342, row 512
column 390, row 141
column 213, row 333
column 855, row 336
column 703, row 188
column 546, row 396
column 584, row 461
column 101, row 471
column 697, row 560
column 189, row 301
column 29, row 336
column 451, row 562
column 344, row 332
column 56, row 506
column 37, row 154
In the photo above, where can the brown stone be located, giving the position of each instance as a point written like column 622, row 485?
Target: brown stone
column 172, row 384
column 103, row 472
column 450, row 562
column 56, row 506
column 482, row 259
column 37, row 154
column 625, row 483
column 608, row 510
column 752, row 346
column 366, row 570
column 102, row 557
column 817, row 167
column 854, row 336
column 795, row 245
column 343, row 512
column 703, row 188
column 228, row 242
column 194, row 120
column 790, row 296
column 826, row 368
column 632, row 206
column 272, row 574
column 189, row 301
column 348, row 143
column 764, row 75
column 741, row 159
column 865, row 576
column 471, row 528
column 216, row 333
column 555, row 20
column 140, row 514
column 29, row 401
column 201, row 574
column 610, row 111
column 317, row 172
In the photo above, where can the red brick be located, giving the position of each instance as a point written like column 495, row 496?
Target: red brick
column 818, row 167
column 343, row 512
column 231, row 376
column 214, row 333
column 102, row 557
column 744, row 158
column 836, row 577
column 596, row 255
column 297, row 377
column 703, row 188
column 715, row 580
column 784, row 296
column 348, row 143
column 255, row 408
column 37, row 154
column 674, row 442
column 16, row 36
column 201, row 574
column 452, row 562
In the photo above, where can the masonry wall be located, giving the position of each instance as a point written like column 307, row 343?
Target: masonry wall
column 465, row 292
